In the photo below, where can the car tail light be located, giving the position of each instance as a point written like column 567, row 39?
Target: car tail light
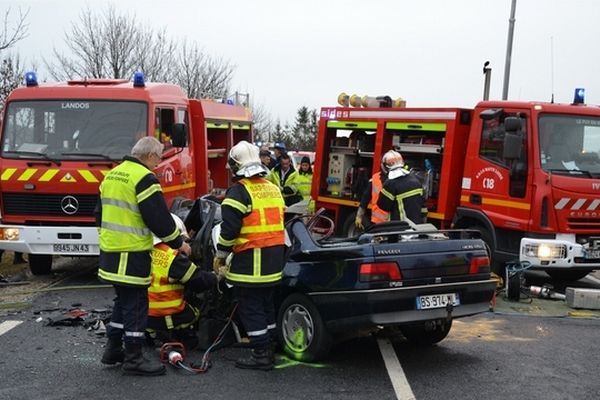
column 479, row 265
column 388, row 271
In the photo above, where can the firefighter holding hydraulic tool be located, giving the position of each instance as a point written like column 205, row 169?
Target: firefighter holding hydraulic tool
column 170, row 316
column 253, row 230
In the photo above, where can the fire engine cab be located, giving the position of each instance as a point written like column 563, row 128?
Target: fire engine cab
column 525, row 174
column 60, row 139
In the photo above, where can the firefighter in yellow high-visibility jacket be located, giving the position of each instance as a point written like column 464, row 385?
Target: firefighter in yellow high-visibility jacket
column 132, row 208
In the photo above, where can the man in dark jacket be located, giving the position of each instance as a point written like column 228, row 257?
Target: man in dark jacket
column 285, row 177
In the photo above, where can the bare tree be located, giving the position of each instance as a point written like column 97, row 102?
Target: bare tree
column 115, row 45
column 11, row 69
column 263, row 123
column 12, row 33
column 154, row 55
column 121, row 36
column 201, row 75
column 11, row 73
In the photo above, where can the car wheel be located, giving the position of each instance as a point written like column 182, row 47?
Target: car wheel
column 302, row 333
column 427, row 333
column 40, row 264
column 567, row 275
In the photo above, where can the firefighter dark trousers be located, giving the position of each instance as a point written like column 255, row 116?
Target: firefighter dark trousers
column 130, row 314
column 257, row 313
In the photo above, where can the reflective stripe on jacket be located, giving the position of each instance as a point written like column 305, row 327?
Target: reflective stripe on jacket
column 123, row 228
column 377, row 214
column 165, row 296
column 399, row 200
column 128, row 268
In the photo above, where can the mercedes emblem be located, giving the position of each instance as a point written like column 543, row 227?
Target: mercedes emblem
column 69, row 205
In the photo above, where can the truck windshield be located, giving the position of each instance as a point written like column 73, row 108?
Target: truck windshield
column 72, row 129
column 570, row 144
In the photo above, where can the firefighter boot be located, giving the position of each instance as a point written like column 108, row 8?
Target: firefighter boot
column 113, row 352
column 259, row 359
column 136, row 364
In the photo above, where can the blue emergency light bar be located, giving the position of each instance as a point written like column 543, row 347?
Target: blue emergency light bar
column 138, row 79
column 30, row 79
column 579, row 96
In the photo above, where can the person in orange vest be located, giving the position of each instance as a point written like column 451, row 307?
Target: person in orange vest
column 371, row 194
column 253, row 230
column 170, row 316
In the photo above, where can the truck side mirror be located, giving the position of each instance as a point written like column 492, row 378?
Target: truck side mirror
column 512, row 145
column 179, row 136
column 512, row 124
column 491, row 113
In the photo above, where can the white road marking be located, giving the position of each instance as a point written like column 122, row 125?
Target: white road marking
column 395, row 371
column 8, row 325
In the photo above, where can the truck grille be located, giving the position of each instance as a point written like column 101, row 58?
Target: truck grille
column 77, row 205
column 578, row 224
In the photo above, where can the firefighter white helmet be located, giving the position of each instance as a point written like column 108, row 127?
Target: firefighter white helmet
column 391, row 160
column 245, row 161
column 180, row 225
column 395, row 164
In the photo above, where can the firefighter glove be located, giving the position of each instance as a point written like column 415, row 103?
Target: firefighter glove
column 218, row 263
column 311, row 206
column 358, row 222
column 221, row 273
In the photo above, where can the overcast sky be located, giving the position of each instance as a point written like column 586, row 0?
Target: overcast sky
column 430, row 52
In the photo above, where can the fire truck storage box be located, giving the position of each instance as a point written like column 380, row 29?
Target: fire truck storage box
column 583, row 298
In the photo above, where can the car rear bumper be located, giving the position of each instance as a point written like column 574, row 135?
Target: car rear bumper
column 398, row 306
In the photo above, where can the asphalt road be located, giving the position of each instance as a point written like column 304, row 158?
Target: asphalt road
column 490, row 356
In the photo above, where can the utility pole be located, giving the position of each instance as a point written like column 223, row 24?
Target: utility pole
column 487, row 72
column 511, row 29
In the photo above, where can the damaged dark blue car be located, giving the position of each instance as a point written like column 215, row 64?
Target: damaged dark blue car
column 415, row 279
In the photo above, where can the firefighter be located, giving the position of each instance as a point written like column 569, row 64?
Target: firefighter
column 253, row 230
column 304, row 178
column 279, row 149
column 285, row 176
column 169, row 315
column 371, row 194
column 402, row 192
column 132, row 208
column 267, row 159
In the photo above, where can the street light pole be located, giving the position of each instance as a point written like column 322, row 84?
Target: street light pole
column 511, row 28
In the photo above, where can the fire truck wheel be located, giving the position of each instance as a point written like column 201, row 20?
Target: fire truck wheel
column 567, row 275
column 40, row 264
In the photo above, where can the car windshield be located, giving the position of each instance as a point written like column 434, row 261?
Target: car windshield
column 72, row 129
column 570, row 144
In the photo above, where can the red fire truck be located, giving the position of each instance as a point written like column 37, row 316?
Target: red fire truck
column 59, row 140
column 525, row 174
